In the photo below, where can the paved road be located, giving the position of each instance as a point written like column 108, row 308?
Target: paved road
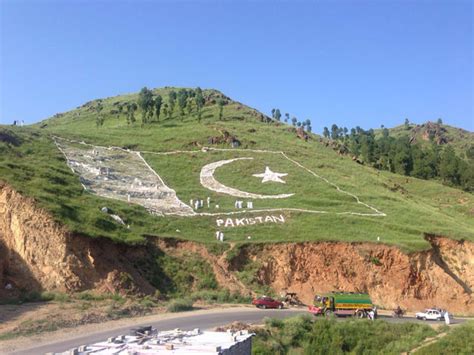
column 186, row 321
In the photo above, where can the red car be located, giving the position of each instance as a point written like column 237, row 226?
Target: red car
column 267, row 302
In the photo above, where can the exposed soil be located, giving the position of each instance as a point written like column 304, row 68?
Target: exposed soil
column 38, row 254
column 442, row 276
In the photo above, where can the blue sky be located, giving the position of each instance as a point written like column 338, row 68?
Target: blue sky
column 352, row 63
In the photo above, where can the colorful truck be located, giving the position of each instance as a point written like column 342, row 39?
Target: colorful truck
column 342, row 304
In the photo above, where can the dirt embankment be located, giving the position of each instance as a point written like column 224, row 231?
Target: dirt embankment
column 442, row 276
column 38, row 254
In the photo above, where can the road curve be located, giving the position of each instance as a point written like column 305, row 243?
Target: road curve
column 204, row 319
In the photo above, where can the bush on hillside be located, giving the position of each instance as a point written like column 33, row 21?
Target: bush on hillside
column 180, row 305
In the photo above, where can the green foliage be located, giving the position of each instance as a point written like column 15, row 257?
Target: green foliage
column 458, row 341
column 400, row 156
column 304, row 335
column 406, row 124
column 220, row 103
column 158, row 104
column 145, row 102
column 277, row 115
column 182, row 97
column 180, row 305
column 326, row 133
column 375, row 261
column 178, row 276
column 171, row 102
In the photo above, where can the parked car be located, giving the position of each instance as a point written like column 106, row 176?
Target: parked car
column 267, row 302
column 430, row 314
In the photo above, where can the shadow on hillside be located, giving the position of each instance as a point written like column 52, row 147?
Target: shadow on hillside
column 18, row 286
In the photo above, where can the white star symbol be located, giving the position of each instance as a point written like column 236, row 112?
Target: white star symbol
column 269, row 175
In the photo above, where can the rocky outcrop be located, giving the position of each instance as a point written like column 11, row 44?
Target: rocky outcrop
column 429, row 131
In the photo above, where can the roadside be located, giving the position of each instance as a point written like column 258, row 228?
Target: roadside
column 52, row 311
column 39, row 324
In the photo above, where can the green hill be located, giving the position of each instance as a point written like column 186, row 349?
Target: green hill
column 438, row 133
column 323, row 196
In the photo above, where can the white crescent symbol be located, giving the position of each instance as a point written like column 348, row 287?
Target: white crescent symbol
column 208, row 181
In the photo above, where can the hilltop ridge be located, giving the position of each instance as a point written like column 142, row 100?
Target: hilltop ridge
column 243, row 131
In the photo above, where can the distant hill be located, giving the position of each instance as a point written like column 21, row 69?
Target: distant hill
column 461, row 140
column 301, row 189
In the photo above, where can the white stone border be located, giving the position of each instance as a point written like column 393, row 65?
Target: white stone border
column 376, row 213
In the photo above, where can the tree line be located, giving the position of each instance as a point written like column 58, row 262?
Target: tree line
column 153, row 107
column 399, row 156
column 306, row 124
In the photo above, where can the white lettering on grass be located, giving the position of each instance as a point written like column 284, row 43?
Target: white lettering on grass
column 241, row 222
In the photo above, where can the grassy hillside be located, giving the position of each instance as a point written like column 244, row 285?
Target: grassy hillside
column 31, row 162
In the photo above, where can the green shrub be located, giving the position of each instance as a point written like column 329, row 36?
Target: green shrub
column 147, row 302
column 180, row 305
column 55, row 296
column 89, row 296
column 304, row 335
column 459, row 340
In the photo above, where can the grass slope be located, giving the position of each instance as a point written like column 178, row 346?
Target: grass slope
column 413, row 207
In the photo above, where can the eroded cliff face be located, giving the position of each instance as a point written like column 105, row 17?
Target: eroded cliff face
column 38, row 254
column 441, row 276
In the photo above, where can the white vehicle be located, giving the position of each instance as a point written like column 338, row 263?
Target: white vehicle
column 430, row 314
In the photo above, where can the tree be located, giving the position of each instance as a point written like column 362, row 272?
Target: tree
column 407, row 123
column 421, row 163
column 171, row 102
column 294, row 120
column 120, row 110
column 158, row 104
column 299, row 124
column 277, row 114
column 439, row 121
column 165, row 110
column 308, row 128
column 287, row 117
column 367, row 147
column 402, row 162
column 131, row 108
column 448, row 166
column 273, row 113
column 326, row 132
column 199, row 102
column 182, row 100
column 308, row 122
column 190, row 105
column 334, row 131
column 145, row 102
column 99, row 119
column 466, row 175
column 220, row 103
